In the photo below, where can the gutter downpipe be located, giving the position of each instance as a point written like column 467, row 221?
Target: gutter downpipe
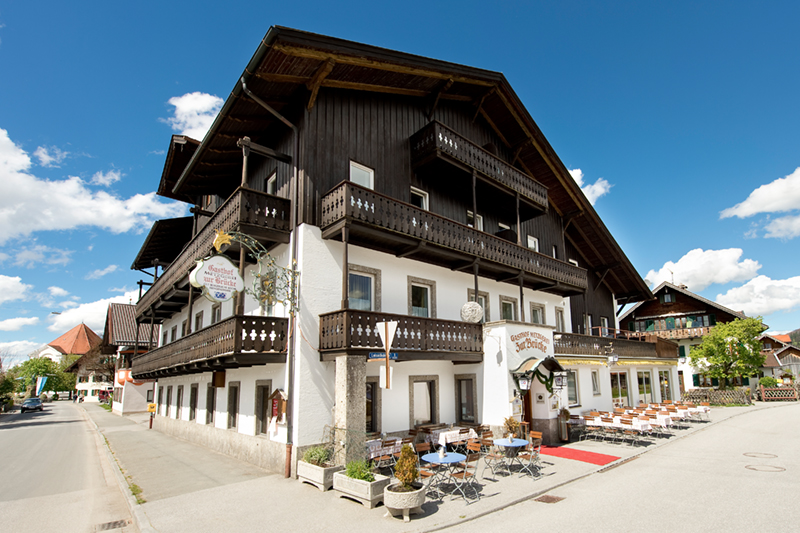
column 292, row 261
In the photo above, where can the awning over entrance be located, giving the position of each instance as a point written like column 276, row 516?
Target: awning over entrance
column 530, row 365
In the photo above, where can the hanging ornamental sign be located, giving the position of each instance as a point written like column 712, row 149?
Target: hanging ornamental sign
column 218, row 277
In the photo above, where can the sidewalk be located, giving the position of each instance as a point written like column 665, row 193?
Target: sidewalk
column 190, row 488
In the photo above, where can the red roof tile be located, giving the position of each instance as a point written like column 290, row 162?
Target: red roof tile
column 79, row 340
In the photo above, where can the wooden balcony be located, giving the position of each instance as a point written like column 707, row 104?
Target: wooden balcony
column 353, row 332
column 576, row 344
column 682, row 333
column 237, row 341
column 388, row 225
column 437, row 140
column 262, row 216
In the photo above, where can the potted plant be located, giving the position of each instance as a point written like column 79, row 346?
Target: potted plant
column 359, row 483
column 407, row 496
column 316, row 468
column 512, row 427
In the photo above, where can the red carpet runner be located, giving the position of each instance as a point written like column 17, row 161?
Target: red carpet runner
column 579, row 455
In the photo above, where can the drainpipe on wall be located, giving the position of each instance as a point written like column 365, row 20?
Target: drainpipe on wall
column 292, row 259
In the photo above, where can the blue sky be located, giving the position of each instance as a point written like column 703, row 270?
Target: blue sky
column 680, row 119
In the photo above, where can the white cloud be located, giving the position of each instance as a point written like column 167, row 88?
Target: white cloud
column 41, row 254
column 57, row 292
column 593, row 191
column 29, row 204
column 16, row 324
column 780, row 196
column 16, row 351
column 99, row 273
column 93, row 314
column 763, row 296
column 700, row 268
column 13, row 289
column 107, row 178
column 50, row 157
column 194, row 113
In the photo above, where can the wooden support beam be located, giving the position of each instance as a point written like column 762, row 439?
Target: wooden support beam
column 411, row 251
column 479, row 108
column 443, row 87
column 245, row 142
column 315, row 82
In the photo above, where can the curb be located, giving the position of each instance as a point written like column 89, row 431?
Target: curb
column 140, row 519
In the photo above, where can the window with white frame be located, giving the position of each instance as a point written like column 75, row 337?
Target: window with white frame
column 198, row 321
column 508, row 308
column 361, row 175
column 645, row 387
column 604, row 331
column 572, row 387
column 537, row 313
column 173, row 334
column 364, row 288
column 472, row 223
column 596, row 382
column 424, row 399
column 560, row 322
column 555, row 252
column 216, row 313
column 421, row 297
column 271, row 183
column 533, row 243
column 503, row 227
column 573, row 262
column 587, row 324
column 419, row 198
column 483, row 301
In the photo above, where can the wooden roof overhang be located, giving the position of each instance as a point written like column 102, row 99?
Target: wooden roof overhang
column 290, row 67
column 180, row 152
column 164, row 243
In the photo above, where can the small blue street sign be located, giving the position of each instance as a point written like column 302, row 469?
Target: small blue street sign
column 382, row 355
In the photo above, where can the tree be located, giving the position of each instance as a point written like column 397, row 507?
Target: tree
column 57, row 378
column 730, row 350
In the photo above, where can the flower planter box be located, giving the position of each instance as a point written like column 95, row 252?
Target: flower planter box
column 364, row 492
column 404, row 503
column 319, row 476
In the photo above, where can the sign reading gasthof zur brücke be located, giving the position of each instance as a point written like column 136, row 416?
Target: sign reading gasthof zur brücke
column 218, row 277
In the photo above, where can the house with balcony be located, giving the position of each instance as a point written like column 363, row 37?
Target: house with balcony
column 398, row 188
column 684, row 317
column 781, row 357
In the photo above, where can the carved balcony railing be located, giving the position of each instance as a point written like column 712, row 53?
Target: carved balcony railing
column 436, row 137
column 246, row 337
column 354, row 331
column 348, row 201
column 246, row 210
column 576, row 344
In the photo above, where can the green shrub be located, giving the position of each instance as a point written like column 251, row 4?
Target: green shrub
column 359, row 470
column 317, row 455
column 768, row 382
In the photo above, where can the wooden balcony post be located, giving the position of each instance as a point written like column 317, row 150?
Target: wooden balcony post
column 519, row 227
column 521, row 298
column 474, row 201
column 189, row 310
column 240, row 296
column 245, row 154
column 345, row 271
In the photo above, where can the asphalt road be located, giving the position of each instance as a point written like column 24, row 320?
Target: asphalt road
column 742, row 474
column 54, row 476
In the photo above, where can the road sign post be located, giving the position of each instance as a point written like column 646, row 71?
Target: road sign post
column 386, row 331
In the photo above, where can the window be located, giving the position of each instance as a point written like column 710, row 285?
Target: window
column 533, row 243
column 216, row 313
column 663, row 378
column 537, row 313
column 179, row 402
column 604, row 331
column 211, row 404
column 150, row 396
column 619, row 389
column 373, row 405
column 572, row 387
column 263, row 390
column 419, row 198
column 173, row 334
column 271, row 184
column 233, row 404
column 169, row 401
column 503, row 227
column 555, row 252
column 471, row 221
column 198, row 321
column 361, row 175
column 424, row 400
column 193, row 402
column 164, row 338
column 508, row 308
column 560, row 324
column 184, row 327
column 595, row 382
column 360, row 291
column 667, row 298
column 421, row 297
column 466, row 398
column 483, row 300
column 573, row 262
column 645, row 387
column 587, row 324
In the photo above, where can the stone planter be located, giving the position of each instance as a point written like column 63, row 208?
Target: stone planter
column 404, row 503
column 319, row 476
column 364, row 492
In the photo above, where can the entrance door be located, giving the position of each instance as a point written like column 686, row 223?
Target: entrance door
column 619, row 389
column 527, row 408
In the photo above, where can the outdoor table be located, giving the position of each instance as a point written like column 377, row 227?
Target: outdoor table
column 445, row 436
column 512, row 447
column 449, row 460
column 640, row 425
column 376, row 449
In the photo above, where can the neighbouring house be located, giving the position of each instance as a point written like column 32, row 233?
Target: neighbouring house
column 400, row 188
column 121, row 342
column 780, row 357
column 93, row 371
column 684, row 317
column 77, row 341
